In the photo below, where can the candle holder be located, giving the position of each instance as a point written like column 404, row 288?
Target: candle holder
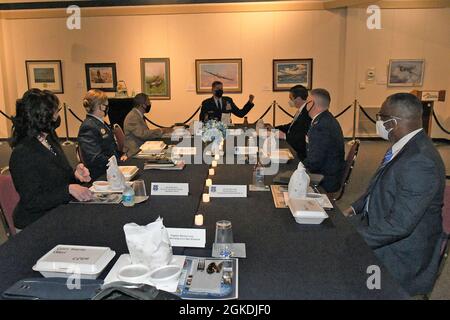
column 205, row 197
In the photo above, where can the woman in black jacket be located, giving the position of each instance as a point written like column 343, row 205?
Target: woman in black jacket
column 40, row 171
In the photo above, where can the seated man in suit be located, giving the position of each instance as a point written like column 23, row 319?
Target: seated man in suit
column 295, row 132
column 135, row 129
column 325, row 142
column 213, row 107
column 95, row 138
column 399, row 216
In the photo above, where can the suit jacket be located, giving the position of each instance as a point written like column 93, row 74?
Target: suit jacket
column 137, row 132
column 403, row 224
column 296, row 135
column 41, row 178
column 211, row 111
column 326, row 151
column 97, row 145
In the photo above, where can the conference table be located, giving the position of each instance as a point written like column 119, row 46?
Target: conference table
column 284, row 260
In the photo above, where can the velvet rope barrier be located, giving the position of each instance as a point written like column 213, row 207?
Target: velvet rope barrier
column 366, row 114
column 159, row 126
column 264, row 114
column 281, row 108
column 5, row 115
column 73, row 114
column 344, row 111
column 439, row 124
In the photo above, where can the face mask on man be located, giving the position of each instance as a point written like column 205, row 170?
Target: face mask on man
column 56, row 123
column 147, row 108
column 381, row 129
column 292, row 103
column 105, row 111
column 218, row 93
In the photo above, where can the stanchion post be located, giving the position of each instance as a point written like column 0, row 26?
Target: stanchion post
column 355, row 105
column 67, row 142
column 274, row 107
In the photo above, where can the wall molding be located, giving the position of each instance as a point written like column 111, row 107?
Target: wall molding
column 199, row 8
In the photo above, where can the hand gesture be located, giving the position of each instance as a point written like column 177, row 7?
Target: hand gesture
column 82, row 173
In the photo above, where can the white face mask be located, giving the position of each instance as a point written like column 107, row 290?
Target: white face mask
column 292, row 103
column 381, row 129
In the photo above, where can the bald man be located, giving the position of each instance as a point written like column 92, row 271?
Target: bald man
column 399, row 216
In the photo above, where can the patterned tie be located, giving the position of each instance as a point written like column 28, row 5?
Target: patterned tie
column 387, row 157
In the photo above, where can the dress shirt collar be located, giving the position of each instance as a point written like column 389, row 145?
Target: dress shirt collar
column 139, row 112
column 403, row 141
column 315, row 117
column 98, row 118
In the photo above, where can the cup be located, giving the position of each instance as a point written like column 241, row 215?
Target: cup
column 224, row 233
column 139, row 188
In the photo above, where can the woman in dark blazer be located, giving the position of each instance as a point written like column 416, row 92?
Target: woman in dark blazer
column 40, row 171
column 95, row 137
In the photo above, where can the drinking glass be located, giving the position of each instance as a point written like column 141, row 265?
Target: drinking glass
column 139, row 188
column 224, row 233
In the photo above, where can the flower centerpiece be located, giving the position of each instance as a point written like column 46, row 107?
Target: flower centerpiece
column 214, row 131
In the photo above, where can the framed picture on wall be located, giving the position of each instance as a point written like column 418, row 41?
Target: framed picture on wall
column 406, row 73
column 155, row 77
column 227, row 71
column 291, row 72
column 45, row 75
column 102, row 76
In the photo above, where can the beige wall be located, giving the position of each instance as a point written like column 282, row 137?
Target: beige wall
column 337, row 40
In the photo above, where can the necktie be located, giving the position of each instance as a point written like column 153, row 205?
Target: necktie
column 387, row 157
column 219, row 104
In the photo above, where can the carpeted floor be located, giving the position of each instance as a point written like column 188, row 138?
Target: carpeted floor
column 370, row 154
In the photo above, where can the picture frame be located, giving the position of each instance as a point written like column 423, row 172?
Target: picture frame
column 227, row 71
column 102, row 76
column 406, row 72
column 155, row 78
column 45, row 75
column 290, row 72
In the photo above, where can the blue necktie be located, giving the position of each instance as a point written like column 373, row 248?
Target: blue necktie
column 387, row 157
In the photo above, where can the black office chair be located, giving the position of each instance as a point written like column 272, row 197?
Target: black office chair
column 349, row 165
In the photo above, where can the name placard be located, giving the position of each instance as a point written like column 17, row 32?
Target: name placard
column 183, row 237
column 245, row 150
column 228, row 191
column 169, row 189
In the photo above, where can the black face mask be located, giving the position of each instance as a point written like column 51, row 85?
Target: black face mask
column 106, row 111
column 56, row 123
column 147, row 108
column 218, row 93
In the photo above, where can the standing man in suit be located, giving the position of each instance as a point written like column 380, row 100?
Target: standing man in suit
column 325, row 142
column 399, row 216
column 295, row 132
column 212, row 108
column 135, row 129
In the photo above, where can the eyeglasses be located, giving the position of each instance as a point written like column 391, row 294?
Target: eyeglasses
column 381, row 117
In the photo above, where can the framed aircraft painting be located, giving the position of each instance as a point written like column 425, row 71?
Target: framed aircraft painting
column 288, row 73
column 227, row 71
column 155, row 78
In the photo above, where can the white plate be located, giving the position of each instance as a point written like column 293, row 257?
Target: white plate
column 92, row 188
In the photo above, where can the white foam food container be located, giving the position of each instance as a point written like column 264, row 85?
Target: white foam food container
column 307, row 211
column 128, row 171
column 153, row 147
column 64, row 261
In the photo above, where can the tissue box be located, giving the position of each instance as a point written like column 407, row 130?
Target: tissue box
column 307, row 211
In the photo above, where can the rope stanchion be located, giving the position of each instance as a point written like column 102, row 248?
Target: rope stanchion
column 281, row 108
column 264, row 114
column 366, row 114
column 67, row 142
column 439, row 124
column 74, row 114
column 5, row 115
column 190, row 118
column 156, row 125
column 344, row 111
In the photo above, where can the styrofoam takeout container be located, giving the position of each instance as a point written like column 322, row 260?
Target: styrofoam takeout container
column 307, row 211
column 64, row 261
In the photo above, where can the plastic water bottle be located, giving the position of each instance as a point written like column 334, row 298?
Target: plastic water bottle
column 128, row 196
column 258, row 175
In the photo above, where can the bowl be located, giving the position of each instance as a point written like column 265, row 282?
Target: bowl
column 134, row 273
column 165, row 274
column 101, row 185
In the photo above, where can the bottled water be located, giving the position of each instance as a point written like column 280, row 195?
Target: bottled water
column 258, row 175
column 128, row 196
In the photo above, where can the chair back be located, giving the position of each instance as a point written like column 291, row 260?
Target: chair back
column 349, row 164
column 120, row 137
column 446, row 211
column 9, row 198
column 79, row 155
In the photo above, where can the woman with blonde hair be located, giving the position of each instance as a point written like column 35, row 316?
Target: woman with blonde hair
column 95, row 137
